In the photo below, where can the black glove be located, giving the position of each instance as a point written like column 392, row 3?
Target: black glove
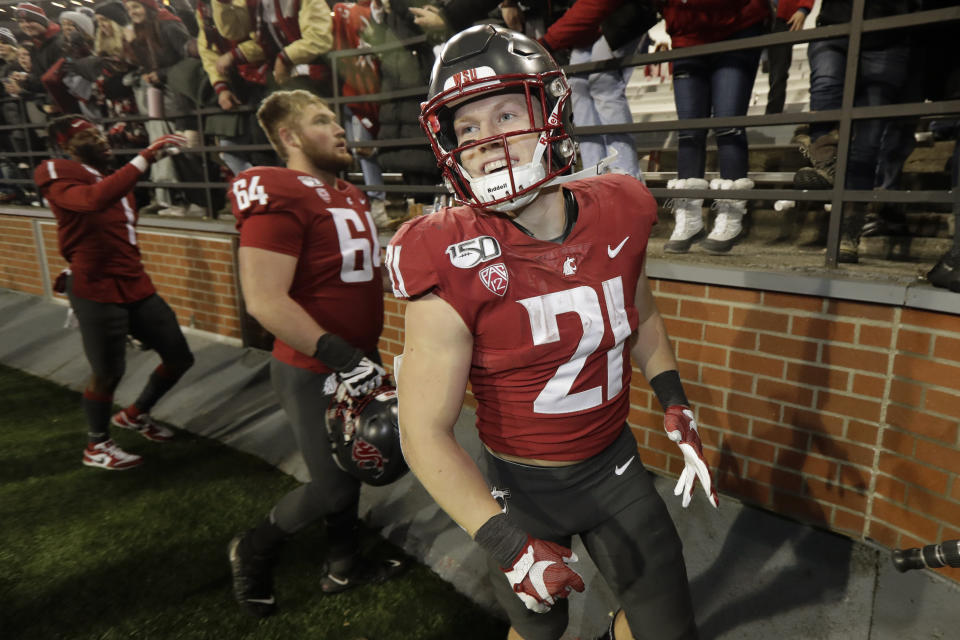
column 359, row 374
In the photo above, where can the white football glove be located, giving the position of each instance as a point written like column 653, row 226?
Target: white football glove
column 681, row 428
column 363, row 378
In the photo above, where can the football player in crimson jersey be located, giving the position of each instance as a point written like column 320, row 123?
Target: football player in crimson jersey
column 108, row 289
column 310, row 272
column 534, row 291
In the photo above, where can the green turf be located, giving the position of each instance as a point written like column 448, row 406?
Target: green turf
column 87, row 553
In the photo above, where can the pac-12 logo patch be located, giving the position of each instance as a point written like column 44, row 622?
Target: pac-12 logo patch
column 495, row 278
column 470, row 253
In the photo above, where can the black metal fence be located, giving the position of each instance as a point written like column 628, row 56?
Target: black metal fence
column 845, row 116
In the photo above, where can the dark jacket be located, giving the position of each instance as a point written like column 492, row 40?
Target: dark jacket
column 839, row 12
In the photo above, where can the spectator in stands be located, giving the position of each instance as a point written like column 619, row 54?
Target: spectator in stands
column 109, row 291
column 47, row 43
column 232, row 91
column 404, row 67
column 599, row 31
column 157, row 41
column 107, row 68
column 9, row 66
column 791, row 15
column 718, row 85
column 881, row 74
column 69, row 90
column 288, row 41
column 360, row 75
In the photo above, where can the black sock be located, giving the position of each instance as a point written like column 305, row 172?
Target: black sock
column 97, row 408
column 160, row 381
column 265, row 538
column 343, row 539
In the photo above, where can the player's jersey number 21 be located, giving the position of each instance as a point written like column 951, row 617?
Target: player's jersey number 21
column 583, row 300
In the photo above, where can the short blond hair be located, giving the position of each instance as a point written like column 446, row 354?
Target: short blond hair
column 281, row 109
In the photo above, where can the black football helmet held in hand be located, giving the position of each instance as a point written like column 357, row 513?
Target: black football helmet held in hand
column 483, row 61
column 364, row 435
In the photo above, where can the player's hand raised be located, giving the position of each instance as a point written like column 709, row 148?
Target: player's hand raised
column 164, row 146
column 681, row 427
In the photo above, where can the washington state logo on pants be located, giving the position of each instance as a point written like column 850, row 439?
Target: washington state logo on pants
column 367, row 456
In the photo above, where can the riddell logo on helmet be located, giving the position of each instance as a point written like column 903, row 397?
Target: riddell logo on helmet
column 367, row 456
column 497, row 187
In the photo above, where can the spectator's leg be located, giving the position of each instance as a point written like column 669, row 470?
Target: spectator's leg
column 369, row 165
column 691, row 94
column 828, row 59
column 779, row 57
column 592, row 149
column 161, row 171
column 608, row 92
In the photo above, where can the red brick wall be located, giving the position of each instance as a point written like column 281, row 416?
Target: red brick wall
column 18, row 256
column 840, row 414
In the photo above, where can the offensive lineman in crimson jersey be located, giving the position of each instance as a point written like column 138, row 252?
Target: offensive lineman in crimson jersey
column 310, row 272
column 108, row 289
column 536, row 294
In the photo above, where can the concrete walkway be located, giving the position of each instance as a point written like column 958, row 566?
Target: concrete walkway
column 754, row 574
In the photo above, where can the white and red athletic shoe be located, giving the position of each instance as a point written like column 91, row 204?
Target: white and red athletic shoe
column 142, row 424
column 107, row 455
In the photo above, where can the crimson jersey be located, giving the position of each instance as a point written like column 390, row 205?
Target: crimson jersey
column 331, row 233
column 550, row 322
column 96, row 219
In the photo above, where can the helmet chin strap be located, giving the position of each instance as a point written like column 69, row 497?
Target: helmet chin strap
column 598, row 169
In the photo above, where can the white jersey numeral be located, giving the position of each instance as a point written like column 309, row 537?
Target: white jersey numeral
column 543, row 310
column 248, row 195
column 359, row 254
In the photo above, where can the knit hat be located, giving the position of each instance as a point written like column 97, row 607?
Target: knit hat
column 32, row 13
column 80, row 21
column 152, row 4
column 114, row 11
column 7, row 37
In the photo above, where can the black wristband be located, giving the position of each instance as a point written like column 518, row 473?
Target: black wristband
column 337, row 353
column 502, row 539
column 669, row 389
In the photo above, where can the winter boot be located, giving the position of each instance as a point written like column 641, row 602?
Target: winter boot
column 688, row 216
column 728, row 227
column 851, row 228
column 823, row 156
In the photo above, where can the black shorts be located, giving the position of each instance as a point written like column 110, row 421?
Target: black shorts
column 104, row 327
column 622, row 522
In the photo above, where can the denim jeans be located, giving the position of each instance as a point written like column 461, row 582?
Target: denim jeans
column 600, row 99
column 719, row 85
column 881, row 76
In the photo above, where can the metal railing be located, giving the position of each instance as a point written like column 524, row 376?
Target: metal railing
column 845, row 116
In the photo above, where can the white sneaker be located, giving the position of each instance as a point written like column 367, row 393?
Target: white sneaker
column 378, row 209
column 196, row 211
column 107, row 455
column 175, row 211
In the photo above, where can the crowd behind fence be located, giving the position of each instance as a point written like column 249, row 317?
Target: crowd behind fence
column 208, row 148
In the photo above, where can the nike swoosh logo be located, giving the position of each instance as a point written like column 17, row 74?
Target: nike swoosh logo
column 613, row 252
column 269, row 600
column 339, row 581
column 619, row 470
